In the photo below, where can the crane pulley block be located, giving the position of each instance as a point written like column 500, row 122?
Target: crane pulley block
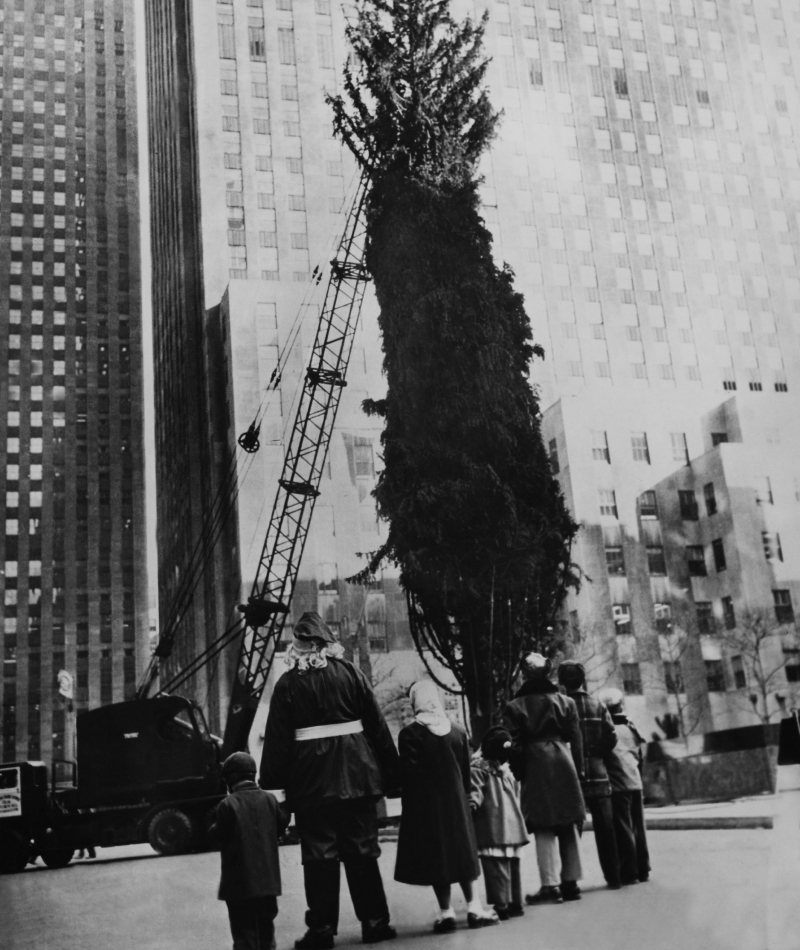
column 258, row 612
column 306, row 489
column 316, row 376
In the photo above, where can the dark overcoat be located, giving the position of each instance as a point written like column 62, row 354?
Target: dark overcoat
column 546, row 755
column 436, row 843
column 340, row 768
column 247, row 825
column 599, row 738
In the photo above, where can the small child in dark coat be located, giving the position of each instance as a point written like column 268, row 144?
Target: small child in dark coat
column 499, row 825
column 247, row 826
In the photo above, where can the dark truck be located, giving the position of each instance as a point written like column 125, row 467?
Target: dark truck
column 147, row 771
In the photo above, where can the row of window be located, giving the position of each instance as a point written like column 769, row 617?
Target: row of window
column 704, row 612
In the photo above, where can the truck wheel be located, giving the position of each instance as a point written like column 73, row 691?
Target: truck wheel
column 170, row 832
column 14, row 854
column 59, row 858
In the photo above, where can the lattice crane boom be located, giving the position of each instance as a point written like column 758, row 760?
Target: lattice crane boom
column 298, row 486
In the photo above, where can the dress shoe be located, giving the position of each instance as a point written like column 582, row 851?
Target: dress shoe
column 444, row 925
column 486, row 919
column 315, row 940
column 545, row 895
column 378, row 934
column 516, row 910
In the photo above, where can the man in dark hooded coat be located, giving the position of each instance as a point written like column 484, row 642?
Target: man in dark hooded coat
column 328, row 746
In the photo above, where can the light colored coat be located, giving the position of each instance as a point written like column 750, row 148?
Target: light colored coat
column 623, row 761
column 494, row 800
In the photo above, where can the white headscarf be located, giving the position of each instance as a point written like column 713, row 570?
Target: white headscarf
column 311, row 654
column 426, row 704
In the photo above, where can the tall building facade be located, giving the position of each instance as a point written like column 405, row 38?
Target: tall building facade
column 645, row 187
column 71, row 400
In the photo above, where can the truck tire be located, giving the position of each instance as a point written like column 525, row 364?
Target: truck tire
column 170, row 832
column 59, row 858
column 14, row 854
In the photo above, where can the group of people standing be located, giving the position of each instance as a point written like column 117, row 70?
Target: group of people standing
column 328, row 747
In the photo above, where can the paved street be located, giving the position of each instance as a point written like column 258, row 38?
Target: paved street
column 708, row 892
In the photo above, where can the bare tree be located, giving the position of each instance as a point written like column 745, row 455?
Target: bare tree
column 756, row 638
column 686, row 716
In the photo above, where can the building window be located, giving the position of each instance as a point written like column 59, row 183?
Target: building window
column 792, row 669
column 705, row 616
column 286, row 47
column 710, row 498
column 784, row 611
column 608, row 503
column 673, row 678
column 781, row 388
column 763, row 488
column 696, row 561
column 718, row 547
column 662, row 614
column 648, row 506
column 772, row 545
column 680, row 451
column 363, row 459
column 718, row 438
column 641, row 453
column 631, row 679
column 376, row 623
column 552, row 451
column 656, row 564
column 622, row 618
column 739, row 675
column 600, row 447
column 227, row 41
column 258, row 44
column 728, row 613
column 688, row 504
column 620, row 83
column 715, row 676
column 615, row 562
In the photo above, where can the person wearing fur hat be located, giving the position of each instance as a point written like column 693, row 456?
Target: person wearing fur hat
column 247, row 826
column 436, row 843
column 624, row 765
column 547, row 756
column 499, row 825
column 328, row 746
column 599, row 738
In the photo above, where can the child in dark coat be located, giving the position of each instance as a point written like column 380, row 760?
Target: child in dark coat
column 247, row 826
column 499, row 825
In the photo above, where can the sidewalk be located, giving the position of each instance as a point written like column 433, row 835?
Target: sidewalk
column 758, row 811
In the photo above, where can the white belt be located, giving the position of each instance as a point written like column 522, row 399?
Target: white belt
column 325, row 732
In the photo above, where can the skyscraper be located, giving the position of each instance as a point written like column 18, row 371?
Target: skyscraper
column 644, row 187
column 71, row 401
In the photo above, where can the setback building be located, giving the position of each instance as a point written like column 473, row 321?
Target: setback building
column 73, row 538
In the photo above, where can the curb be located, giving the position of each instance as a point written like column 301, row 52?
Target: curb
column 720, row 823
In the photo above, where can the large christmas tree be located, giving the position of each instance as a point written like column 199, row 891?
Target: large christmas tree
column 477, row 522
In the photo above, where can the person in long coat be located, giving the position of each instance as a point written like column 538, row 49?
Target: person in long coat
column 547, row 756
column 328, row 746
column 599, row 738
column 246, row 828
column 436, row 844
